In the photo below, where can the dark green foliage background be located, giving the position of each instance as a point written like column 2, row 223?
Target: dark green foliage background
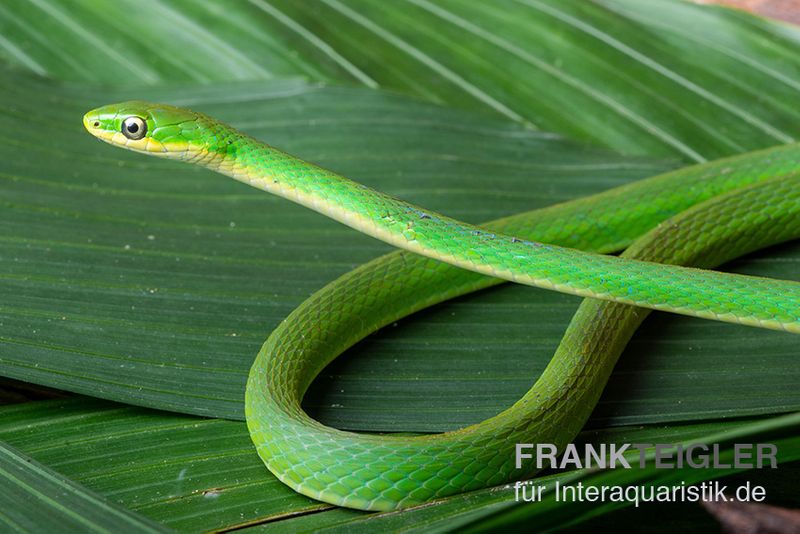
column 152, row 283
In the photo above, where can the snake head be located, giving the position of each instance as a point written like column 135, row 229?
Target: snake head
column 156, row 129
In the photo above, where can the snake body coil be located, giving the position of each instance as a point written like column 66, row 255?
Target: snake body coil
column 718, row 211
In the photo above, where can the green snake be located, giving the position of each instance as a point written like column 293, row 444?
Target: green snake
column 702, row 216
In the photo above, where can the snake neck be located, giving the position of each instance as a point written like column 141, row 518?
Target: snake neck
column 398, row 223
column 355, row 205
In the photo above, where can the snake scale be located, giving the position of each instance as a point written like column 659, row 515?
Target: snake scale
column 701, row 216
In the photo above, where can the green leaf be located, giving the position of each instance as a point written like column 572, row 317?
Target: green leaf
column 37, row 499
column 552, row 513
column 659, row 77
column 188, row 473
column 154, row 283
column 562, row 67
column 495, row 508
column 144, row 42
column 197, row 474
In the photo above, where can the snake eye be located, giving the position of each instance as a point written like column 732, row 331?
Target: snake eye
column 134, row 127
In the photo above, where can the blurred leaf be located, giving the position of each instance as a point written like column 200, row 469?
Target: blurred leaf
column 36, row 499
column 659, row 77
column 135, row 42
column 601, row 71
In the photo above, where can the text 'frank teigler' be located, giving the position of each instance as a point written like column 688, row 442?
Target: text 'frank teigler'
column 658, row 455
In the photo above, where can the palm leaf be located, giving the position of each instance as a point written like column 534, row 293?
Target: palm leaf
column 34, row 498
column 153, row 284
column 195, row 474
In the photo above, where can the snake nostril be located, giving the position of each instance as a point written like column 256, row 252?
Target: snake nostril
column 96, row 124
